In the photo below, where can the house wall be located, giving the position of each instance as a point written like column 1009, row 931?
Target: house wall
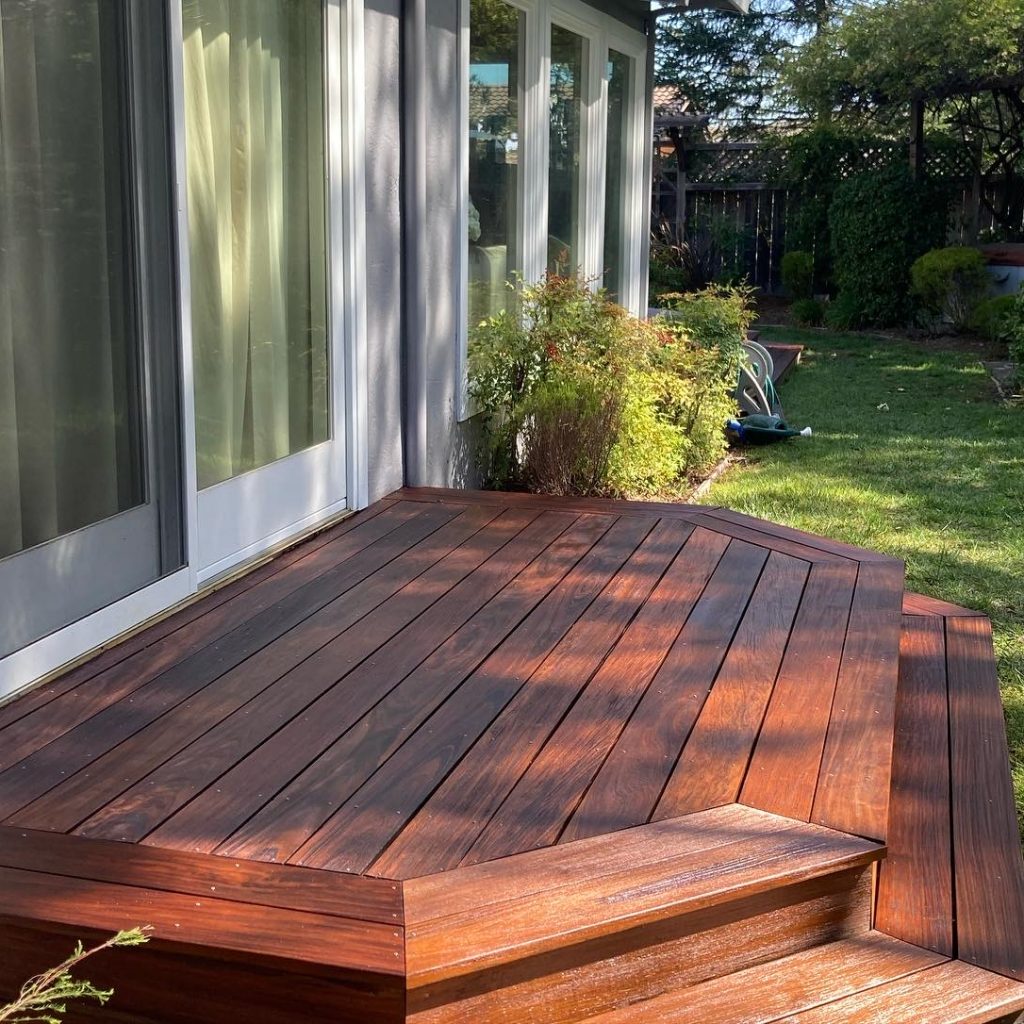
column 382, row 56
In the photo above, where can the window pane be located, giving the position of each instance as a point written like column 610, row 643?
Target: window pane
column 568, row 52
column 496, row 39
column 620, row 74
column 257, row 224
column 70, row 433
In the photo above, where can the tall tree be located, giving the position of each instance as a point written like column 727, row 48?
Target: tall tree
column 729, row 66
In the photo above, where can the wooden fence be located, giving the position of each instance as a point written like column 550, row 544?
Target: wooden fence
column 726, row 206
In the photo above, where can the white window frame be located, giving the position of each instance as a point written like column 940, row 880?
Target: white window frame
column 601, row 32
column 345, row 84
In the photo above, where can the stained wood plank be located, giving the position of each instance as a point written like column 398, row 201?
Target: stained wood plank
column 313, row 939
column 270, row 885
column 48, row 765
column 629, row 784
column 370, row 659
column 856, row 766
column 763, row 994
column 624, row 968
column 499, row 933
column 714, row 761
column 526, row 875
column 72, row 802
column 783, row 545
column 443, row 830
column 552, row 787
column 986, row 844
column 171, row 983
column 343, row 765
column 952, row 993
column 920, row 604
column 127, row 675
column 354, row 836
column 763, row 527
column 915, row 885
column 29, row 700
column 784, row 767
column 521, row 499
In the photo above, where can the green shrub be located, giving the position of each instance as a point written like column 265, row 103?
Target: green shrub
column 880, row 223
column 842, row 313
column 1012, row 333
column 808, row 313
column 576, row 396
column 950, row 283
column 798, row 274
column 989, row 315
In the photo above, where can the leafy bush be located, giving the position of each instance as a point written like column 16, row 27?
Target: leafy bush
column 843, row 313
column 577, row 396
column 1012, row 332
column 808, row 313
column 881, row 222
column 950, row 283
column 798, row 274
column 989, row 315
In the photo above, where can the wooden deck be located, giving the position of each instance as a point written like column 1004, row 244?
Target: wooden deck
column 502, row 757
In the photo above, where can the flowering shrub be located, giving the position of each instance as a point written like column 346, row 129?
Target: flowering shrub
column 578, row 397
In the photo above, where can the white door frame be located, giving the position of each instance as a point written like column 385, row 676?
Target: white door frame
column 345, row 82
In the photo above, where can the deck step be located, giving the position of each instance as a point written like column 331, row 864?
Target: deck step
column 873, row 979
column 555, row 935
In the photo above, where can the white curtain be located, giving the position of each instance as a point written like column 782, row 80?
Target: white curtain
column 67, row 434
column 256, row 208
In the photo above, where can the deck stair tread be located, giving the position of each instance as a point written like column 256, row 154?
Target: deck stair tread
column 871, row 979
column 479, row 917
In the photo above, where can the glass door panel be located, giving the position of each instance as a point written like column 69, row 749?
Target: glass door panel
column 616, row 210
column 568, row 75
column 80, row 464
column 257, row 219
column 269, row 441
column 496, row 43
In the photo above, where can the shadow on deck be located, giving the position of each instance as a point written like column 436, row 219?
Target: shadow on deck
column 501, row 757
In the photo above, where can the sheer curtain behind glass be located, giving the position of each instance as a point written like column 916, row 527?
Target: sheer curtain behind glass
column 257, row 214
column 69, row 433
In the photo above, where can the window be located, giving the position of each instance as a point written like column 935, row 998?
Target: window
column 553, row 152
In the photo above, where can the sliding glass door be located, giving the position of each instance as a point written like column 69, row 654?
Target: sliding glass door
column 90, row 506
column 268, row 431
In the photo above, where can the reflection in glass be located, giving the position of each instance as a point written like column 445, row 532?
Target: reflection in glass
column 615, row 198
column 257, row 230
column 568, row 54
column 496, row 39
column 70, row 434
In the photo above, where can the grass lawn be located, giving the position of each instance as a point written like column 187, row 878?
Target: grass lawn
column 910, row 456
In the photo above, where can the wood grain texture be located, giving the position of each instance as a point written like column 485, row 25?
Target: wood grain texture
column 919, row 604
column 784, row 768
column 951, row 993
column 719, row 874
column 445, row 828
column 915, row 885
column 860, row 730
column 626, row 789
column 74, row 750
column 801, row 981
column 606, row 973
column 714, row 761
column 172, row 983
column 270, row 885
column 355, row 836
column 242, row 930
column 986, row 844
column 542, row 801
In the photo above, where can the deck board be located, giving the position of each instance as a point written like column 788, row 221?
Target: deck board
column 459, row 714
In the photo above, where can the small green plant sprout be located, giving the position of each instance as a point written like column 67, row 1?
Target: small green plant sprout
column 44, row 999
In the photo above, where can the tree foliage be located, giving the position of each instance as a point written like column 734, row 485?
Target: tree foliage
column 729, row 66
column 964, row 61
